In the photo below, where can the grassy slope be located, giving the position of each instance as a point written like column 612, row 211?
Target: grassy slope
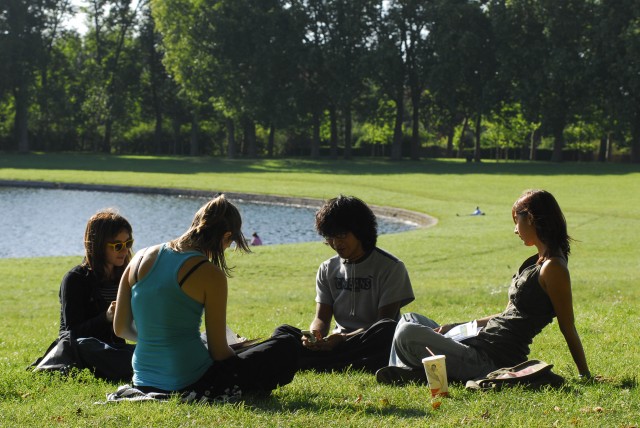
column 460, row 269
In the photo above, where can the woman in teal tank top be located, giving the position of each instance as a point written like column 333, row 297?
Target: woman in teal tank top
column 162, row 297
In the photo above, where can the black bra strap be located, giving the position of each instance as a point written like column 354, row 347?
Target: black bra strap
column 197, row 265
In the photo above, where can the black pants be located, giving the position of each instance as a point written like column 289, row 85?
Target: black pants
column 107, row 360
column 260, row 368
column 366, row 351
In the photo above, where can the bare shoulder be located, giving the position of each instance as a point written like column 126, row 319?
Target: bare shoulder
column 555, row 264
column 142, row 262
column 554, row 272
column 202, row 280
column 202, row 271
column 149, row 256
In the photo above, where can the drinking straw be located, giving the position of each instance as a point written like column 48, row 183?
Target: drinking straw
column 431, row 352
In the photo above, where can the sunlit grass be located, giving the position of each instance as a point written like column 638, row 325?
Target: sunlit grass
column 460, row 270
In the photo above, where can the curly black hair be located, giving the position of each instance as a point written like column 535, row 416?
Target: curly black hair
column 348, row 214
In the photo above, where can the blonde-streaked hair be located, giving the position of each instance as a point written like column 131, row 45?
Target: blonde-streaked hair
column 101, row 228
column 206, row 233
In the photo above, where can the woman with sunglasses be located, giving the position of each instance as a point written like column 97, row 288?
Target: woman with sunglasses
column 162, row 297
column 88, row 293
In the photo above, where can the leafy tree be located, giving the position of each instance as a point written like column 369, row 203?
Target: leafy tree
column 343, row 34
column 389, row 66
column 414, row 19
column 544, row 51
column 28, row 30
column 462, row 78
column 159, row 95
column 616, row 45
column 112, row 68
column 508, row 129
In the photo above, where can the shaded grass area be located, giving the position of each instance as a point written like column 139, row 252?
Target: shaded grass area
column 460, row 270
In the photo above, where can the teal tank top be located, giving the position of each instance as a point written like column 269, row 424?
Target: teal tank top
column 169, row 354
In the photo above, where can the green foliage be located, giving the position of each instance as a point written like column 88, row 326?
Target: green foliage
column 582, row 136
column 300, row 66
column 460, row 269
column 380, row 130
column 507, row 128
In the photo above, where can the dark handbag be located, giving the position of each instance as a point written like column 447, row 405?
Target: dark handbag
column 61, row 356
column 532, row 374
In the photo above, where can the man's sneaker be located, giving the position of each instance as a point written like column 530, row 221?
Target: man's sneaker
column 393, row 375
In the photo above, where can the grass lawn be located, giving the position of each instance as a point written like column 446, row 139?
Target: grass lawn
column 460, row 270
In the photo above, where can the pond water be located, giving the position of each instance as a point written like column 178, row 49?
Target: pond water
column 45, row 222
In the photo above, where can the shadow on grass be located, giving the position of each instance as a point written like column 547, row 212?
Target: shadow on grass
column 362, row 166
column 274, row 405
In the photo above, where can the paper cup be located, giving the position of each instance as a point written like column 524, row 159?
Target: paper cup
column 436, row 371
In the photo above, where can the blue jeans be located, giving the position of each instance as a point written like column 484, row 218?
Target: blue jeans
column 415, row 332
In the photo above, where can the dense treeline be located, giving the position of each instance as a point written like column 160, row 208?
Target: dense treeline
column 530, row 79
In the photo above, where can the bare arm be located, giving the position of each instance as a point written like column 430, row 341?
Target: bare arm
column 389, row 311
column 322, row 322
column 123, row 324
column 556, row 281
column 482, row 322
column 208, row 285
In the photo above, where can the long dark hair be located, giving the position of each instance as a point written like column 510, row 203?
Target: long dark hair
column 206, row 233
column 348, row 214
column 548, row 219
column 101, row 228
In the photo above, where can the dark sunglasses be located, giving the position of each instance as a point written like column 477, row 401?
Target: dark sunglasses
column 118, row 246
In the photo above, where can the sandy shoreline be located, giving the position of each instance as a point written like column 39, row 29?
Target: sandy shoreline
column 417, row 218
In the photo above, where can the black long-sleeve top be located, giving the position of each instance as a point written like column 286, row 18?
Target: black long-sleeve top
column 82, row 308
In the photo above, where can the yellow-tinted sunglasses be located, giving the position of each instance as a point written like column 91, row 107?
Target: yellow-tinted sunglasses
column 118, row 246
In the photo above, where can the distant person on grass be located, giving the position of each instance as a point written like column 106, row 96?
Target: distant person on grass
column 163, row 295
column 362, row 287
column 88, row 296
column 255, row 239
column 477, row 211
column 539, row 291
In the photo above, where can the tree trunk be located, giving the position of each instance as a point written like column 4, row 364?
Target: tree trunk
column 231, row 139
column 465, row 124
column 193, row 140
column 315, row 140
column 250, row 138
column 534, row 141
column 176, row 134
column 558, row 141
column 602, row 149
column 396, row 145
column 21, row 119
column 451, row 129
column 476, row 151
column 635, row 139
column 347, row 130
column 108, row 126
column 415, row 126
column 333, row 152
column 270, row 143
column 157, row 134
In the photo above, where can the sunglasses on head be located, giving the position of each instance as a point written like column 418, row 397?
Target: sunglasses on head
column 118, row 246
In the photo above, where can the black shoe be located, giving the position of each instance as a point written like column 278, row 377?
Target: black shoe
column 393, row 375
